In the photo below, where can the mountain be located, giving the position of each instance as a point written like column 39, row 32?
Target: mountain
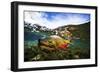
column 78, row 31
column 81, row 31
column 34, row 32
column 35, row 27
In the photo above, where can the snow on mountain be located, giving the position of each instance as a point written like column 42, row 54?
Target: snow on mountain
column 36, row 27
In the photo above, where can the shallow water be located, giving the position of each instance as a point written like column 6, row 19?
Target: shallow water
column 78, row 43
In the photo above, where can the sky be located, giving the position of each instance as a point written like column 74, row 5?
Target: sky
column 53, row 20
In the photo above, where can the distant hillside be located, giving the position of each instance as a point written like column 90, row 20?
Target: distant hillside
column 81, row 31
column 35, row 27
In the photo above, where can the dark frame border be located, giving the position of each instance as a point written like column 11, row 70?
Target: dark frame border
column 14, row 35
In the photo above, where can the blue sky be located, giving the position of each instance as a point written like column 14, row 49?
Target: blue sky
column 53, row 20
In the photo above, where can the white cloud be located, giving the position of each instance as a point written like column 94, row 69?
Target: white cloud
column 58, row 20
